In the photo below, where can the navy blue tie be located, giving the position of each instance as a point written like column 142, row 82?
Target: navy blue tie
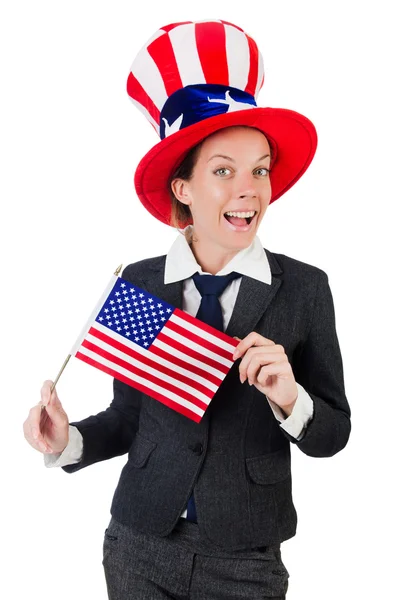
column 210, row 311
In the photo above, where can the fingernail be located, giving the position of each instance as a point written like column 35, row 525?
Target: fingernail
column 236, row 354
column 35, row 433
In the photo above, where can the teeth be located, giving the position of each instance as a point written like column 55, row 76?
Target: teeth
column 242, row 215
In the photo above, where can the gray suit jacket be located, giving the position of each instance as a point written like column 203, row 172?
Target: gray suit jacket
column 237, row 458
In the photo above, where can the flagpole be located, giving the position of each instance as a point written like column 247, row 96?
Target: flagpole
column 117, row 272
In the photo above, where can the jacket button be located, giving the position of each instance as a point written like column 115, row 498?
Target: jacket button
column 197, row 448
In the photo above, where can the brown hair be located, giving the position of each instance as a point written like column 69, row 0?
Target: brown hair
column 180, row 213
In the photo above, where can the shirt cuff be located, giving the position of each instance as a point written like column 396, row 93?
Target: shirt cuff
column 71, row 454
column 300, row 416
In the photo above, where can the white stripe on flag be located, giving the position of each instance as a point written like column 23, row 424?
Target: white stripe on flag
column 183, row 41
column 194, row 346
column 94, row 314
column 193, row 361
column 238, row 57
column 141, row 380
column 170, row 350
column 151, row 370
column 210, row 337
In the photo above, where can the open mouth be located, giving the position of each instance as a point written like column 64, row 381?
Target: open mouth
column 240, row 221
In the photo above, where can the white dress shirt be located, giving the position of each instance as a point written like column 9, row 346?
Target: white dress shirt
column 181, row 265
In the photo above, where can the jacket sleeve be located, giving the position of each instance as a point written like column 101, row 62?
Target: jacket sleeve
column 111, row 432
column 318, row 367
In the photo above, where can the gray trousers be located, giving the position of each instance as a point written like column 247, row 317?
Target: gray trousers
column 140, row 566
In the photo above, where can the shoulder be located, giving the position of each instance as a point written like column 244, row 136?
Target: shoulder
column 293, row 266
column 141, row 268
column 298, row 276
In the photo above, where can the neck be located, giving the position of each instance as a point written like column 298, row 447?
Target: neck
column 210, row 259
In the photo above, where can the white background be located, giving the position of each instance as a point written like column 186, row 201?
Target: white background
column 70, row 142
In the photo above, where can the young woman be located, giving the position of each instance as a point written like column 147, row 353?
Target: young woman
column 201, row 509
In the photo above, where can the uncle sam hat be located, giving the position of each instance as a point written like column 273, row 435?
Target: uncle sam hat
column 192, row 79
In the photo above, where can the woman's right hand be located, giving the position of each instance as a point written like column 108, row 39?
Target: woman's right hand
column 47, row 429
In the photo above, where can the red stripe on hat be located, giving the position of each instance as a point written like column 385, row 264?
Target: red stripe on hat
column 250, row 88
column 168, row 28
column 162, row 52
column 136, row 91
column 263, row 79
column 211, row 47
column 233, row 25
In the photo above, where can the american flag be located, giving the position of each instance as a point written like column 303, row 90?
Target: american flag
column 156, row 348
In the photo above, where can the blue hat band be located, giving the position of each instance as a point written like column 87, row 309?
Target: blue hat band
column 194, row 103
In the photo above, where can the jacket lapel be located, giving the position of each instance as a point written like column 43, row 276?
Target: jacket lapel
column 252, row 300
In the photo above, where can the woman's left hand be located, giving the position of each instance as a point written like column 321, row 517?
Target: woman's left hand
column 267, row 367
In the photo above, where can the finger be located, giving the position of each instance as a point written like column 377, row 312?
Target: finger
column 236, row 343
column 267, row 353
column 279, row 368
column 33, row 432
column 252, row 339
column 45, row 392
column 56, row 412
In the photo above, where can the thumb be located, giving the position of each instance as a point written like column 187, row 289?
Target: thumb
column 55, row 409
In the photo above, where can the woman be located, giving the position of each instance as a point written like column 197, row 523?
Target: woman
column 201, row 509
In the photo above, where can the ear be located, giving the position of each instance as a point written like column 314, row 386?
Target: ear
column 180, row 189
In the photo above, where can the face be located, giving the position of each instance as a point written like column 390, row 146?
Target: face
column 231, row 174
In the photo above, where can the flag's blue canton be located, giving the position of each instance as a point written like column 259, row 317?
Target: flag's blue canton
column 134, row 313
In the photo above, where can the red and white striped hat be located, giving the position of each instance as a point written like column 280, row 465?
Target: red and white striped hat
column 194, row 78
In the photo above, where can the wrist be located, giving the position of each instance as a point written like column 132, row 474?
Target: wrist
column 288, row 408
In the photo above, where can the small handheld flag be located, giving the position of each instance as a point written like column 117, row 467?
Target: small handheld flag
column 156, row 348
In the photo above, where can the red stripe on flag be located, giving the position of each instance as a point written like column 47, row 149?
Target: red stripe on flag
column 217, row 333
column 163, row 337
column 136, row 91
column 250, row 88
column 146, row 375
column 162, row 52
column 197, row 339
column 211, row 47
column 185, row 365
column 148, row 361
column 159, row 352
column 142, row 388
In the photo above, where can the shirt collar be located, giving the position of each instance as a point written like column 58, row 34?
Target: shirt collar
column 181, row 264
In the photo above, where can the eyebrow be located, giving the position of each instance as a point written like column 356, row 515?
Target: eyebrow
column 232, row 159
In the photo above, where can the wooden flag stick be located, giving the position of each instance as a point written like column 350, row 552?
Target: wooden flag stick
column 60, row 372
column 117, row 272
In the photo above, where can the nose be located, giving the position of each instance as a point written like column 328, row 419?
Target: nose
column 246, row 186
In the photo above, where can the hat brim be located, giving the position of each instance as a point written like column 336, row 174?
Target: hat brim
column 292, row 134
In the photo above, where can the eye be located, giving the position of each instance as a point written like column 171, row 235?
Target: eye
column 222, row 171
column 267, row 171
